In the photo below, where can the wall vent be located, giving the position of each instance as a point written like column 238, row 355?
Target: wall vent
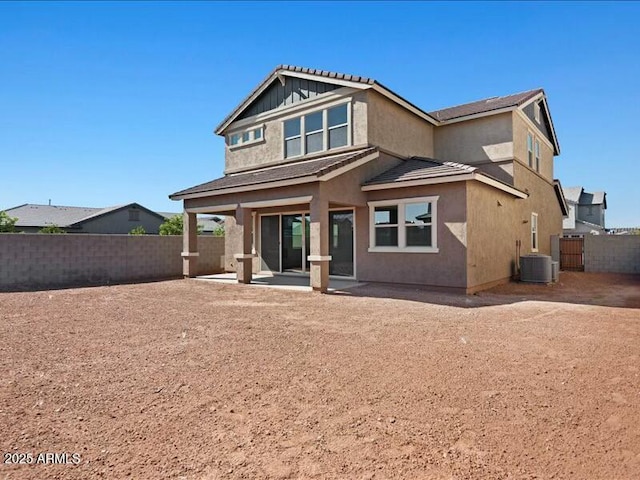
column 535, row 268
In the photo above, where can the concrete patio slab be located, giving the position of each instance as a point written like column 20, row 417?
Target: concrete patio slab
column 281, row 281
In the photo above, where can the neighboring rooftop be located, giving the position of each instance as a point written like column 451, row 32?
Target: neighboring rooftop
column 581, row 197
column 35, row 215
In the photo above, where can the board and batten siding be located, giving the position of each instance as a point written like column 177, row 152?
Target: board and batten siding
column 293, row 91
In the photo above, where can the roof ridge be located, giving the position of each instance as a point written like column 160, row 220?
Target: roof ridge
column 55, row 206
column 486, row 99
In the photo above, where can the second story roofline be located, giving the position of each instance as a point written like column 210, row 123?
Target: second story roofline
column 342, row 79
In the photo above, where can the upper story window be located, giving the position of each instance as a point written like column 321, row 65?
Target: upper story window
column 537, row 154
column 530, row 149
column 247, row 137
column 317, row 131
column 536, row 111
column 134, row 215
column 406, row 225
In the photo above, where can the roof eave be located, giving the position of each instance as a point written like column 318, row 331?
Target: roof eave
column 461, row 177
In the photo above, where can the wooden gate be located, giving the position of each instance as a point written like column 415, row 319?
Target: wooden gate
column 572, row 254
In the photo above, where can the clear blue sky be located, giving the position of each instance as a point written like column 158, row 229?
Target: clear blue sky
column 108, row 103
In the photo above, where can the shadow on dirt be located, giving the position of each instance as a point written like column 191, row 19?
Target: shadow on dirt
column 601, row 289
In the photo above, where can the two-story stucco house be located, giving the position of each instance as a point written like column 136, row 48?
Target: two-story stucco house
column 585, row 212
column 329, row 174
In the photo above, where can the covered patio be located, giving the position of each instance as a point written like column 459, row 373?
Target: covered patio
column 284, row 212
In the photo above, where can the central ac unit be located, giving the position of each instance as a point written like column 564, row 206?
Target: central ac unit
column 536, row 268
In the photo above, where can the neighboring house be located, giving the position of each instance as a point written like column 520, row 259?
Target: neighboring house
column 207, row 224
column 586, row 212
column 333, row 174
column 119, row 219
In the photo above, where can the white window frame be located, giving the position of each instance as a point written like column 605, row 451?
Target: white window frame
column 531, row 137
column 402, row 233
column 536, row 111
column 250, row 133
column 325, row 129
column 536, row 153
column 535, row 236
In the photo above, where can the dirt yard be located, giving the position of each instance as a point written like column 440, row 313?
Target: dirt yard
column 195, row 380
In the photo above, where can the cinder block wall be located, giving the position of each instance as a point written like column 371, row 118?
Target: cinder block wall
column 32, row 261
column 612, row 253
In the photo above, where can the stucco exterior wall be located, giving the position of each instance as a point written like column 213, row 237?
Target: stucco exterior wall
column 486, row 143
column 543, row 201
column 446, row 269
column 32, row 261
column 393, row 128
column 496, row 221
column 270, row 151
column 520, row 129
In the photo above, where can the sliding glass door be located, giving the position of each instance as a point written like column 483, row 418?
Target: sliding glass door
column 341, row 242
column 270, row 243
column 285, row 242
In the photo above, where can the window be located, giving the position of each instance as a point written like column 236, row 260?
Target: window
column 314, row 129
column 321, row 130
column 134, row 215
column 530, row 149
column 292, row 138
column 406, row 225
column 338, row 126
column 536, row 111
column 246, row 138
column 537, row 154
column 534, row 232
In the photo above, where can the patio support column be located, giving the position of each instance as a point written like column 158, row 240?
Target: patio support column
column 244, row 259
column 319, row 243
column 189, row 244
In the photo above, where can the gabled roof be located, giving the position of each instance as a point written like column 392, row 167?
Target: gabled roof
column 426, row 171
column 572, row 194
column 343, row 79
column 34, row 215
column 307, row 170
column 581, row 197
column 485, row 105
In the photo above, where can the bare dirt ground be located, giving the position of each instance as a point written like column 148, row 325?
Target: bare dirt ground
column 195, row 380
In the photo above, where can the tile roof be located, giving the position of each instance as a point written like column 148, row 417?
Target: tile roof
column 418, row 168
column 315, row 167
column 485, row 105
